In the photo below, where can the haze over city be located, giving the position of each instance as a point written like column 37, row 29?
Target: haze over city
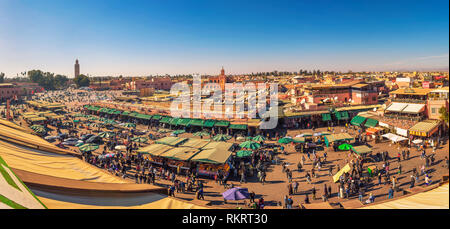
column 137, row 38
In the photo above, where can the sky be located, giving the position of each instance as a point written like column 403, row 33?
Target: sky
column 137, row 38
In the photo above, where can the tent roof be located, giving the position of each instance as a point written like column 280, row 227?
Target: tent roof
column 155, row 149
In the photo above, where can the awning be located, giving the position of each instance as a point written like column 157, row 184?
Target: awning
column 183, row 122
column 222, row 124
column 357, row 120
column 238, row 127
column 196, row 122
column 396, row 107
column 425, row 128
column 165, row 120
column 326, row 117
column 371, row 122
column 361, row 149
column 372, row 130
column 104, row 110
column 156, row 117
column 414, row 108
column 134, row 115
column 342, row 115
column 393, row 137
column 209, row 123
column 174, row 121
column 144, row 116
column 125, row 113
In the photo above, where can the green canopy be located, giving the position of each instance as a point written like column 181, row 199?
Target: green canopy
column 165, row 120
column 196, row 122
column 156, row 117
column 209, row 123
column 106, row 134
column 238, row 127
column 285, row 140
column 357, row 120
column 244, row 153
column 88, row 147
column 259, row 138
column 144, row 116
column 183, row 122
column 341, row 115
column 222, row 124
column 345, row 147
column 174, row 121
column 140, row 139
column 92, row 118
column 221, row 138
column 250, row 145
column 125, row 113
column 326, row 117
column 76, row 121
column 371, row 122
column 94, row 125
column 110, row 121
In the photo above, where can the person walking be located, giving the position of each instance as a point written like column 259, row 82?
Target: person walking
column 390, row 193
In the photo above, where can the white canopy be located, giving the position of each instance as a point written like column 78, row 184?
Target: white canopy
column 394, row 137
column 414, row 108
column 397, row 107
column 417, row 141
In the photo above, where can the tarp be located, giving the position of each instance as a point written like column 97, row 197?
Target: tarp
column 180, row 153
column 361, row 149
column 214, row 152
column 154, row 149
column 171, row 141
column 337, row 137
column 345, row 169
column 14, row 194
column 437, row 198
column 195, row 143
column 393, row 137
column 165, row 203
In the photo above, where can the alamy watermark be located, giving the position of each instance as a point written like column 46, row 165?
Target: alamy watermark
column 261, row 98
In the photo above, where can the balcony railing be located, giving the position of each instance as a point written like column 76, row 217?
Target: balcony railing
column 408, row 100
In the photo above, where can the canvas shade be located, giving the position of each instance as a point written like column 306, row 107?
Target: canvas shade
column 342, row 115
column 180, row 153
column 259, row 138
column 299, row 140
column 214, row 153
column 424, row 128
column 244, row 153
column 357, row 120
column 183, row 122
column 250, row 145
column 195, row 143
column 196, row 122
column 179, row 132
column 361, row 149
column 221, row 137
column 165, row 120
column 154, row 149
column 88, row 147
column 125, row 113
column 174, row 121
column 209, row 123
column 236, row 194
column 238, row 127
column 326, row 117
column 144, row 116
column 285, row 140
column 337, row 137
column 140, row 139
column 345, row 169
column 371, row 122
column 345, row 147
column 106, row 134
column 172, row 141
column 156, row 117
column 414, row 108
column 396, row 107
column 222, row 124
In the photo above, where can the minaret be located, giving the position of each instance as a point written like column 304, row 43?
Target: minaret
column 77, row 68
column 222, row 79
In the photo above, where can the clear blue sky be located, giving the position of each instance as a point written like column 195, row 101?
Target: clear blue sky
column 112, row 37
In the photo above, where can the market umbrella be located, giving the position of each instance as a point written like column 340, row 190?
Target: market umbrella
column 34, row 127
column 236, row 194
column 120, row 147
column 76, row 121
column 79, row 115
column 89, row 147
column 106, row 134
column 285, row 140
column 176, row 132
column 201, row 133
column 79, row 144
column 95, row 124
column 128, row 124
column 259, row 138
column 345, row 147
column 221, row 137
column 92, row 118
column 102, row 119
column 109, row 121
column 244, row 153
column 250, row 145
column 140, row 139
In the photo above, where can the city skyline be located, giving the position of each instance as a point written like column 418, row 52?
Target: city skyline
column 112, row 38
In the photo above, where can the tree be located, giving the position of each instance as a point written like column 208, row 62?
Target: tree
column 82, row 81
column 2, row 77
column 48, row 80
column 444, row 114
